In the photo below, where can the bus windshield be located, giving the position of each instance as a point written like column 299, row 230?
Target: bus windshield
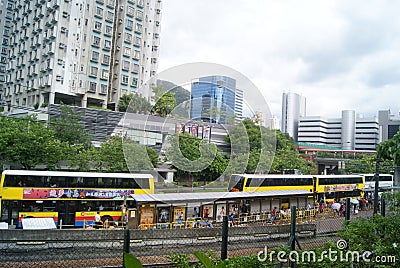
column 236, row 183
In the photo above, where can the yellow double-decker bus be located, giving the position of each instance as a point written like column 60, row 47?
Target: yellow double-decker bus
column 255, row 182
column 332, row 188
column 70, row 198
column 324, row 187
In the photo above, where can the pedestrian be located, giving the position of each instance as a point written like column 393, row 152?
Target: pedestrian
column 364, row 204
column 231, row 220
column 97, row 223
column 97, row 217
column 195, row 213
column 321, row 207
column 274, row 213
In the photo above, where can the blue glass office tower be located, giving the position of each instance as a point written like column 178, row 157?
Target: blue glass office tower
column 213, row 99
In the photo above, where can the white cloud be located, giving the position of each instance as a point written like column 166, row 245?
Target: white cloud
column 338, row 54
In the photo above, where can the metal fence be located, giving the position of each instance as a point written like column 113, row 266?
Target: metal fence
column 104, row 248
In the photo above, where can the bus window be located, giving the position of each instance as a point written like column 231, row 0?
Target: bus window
column 140, row 183
column 59, row 181
column 33, row 181
column 13, row 181
column 49, row 206
column 89, row 182
column 107, row 182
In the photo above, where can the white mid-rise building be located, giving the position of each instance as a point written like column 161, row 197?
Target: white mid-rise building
column 348, row 132
column 81, row 52
column 274, row 123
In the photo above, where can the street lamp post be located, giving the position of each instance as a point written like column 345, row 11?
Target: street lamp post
column 376, row 178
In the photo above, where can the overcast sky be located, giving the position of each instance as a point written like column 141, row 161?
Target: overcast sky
column 340, row 55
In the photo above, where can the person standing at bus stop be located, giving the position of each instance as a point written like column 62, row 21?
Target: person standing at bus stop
column 97, row 218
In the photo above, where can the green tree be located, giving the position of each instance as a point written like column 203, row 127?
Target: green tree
column 84, row 159
column 139, row 157
column 378, row 235
column 390, row 150
column 365, row 163
column 267, row 150
column 68, row 128
column 291, row 159
column 165, row 101
column 181, row 95
column 133, row 103
column 111, row 155
column 29, row 143
column 192, row 156
column 124, row 102
column 254, row 143
column 116, row 154
column 153, row 156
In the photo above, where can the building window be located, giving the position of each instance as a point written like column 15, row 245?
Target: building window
column 107, row 44
column 134, row 82
column 125, row 65
column 127, row 51
column 95, row 56
column 96, row 41
column 108, row 29
column 136, row 54
column 136, row 68
column 106, row 59
column 125, row 79
column 99, row 12
column 92, row 87
column 104, row 74
column 93, row 70
column 138, row 28
column 129, row 24
column 103, row 89
column 131, row 11
column 138, row 40
column 97, row 25
column 128, row 37
column 139, row 15
column 110, row 15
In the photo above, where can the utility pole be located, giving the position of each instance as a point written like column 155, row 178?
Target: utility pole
column 378, row 161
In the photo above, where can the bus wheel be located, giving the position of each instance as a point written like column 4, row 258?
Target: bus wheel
column 107, row 220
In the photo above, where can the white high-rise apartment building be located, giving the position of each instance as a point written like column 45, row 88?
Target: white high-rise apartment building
column 293, row 107
column 6, row 8
column 239, row 97
column 80, row 52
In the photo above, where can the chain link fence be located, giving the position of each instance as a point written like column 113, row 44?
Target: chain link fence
column 104, row 248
